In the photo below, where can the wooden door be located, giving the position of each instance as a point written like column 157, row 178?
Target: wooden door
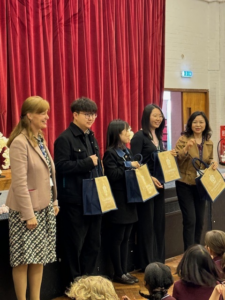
column 191, row 102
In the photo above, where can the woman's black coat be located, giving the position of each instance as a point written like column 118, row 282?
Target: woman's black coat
column 115, row 171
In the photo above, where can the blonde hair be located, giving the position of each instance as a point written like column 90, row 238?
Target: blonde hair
column 92, row 288
column 33, row 104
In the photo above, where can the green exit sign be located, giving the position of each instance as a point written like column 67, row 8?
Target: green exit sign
column 186, row 74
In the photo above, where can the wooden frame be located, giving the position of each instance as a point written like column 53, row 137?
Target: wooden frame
column 191, row 91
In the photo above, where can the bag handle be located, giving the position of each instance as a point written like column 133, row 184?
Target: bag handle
column 194, row 160
column 141, row 158
column 96, row 170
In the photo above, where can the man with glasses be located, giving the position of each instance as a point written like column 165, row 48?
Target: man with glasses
column 76, row 158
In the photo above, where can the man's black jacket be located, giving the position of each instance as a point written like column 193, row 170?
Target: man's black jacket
column 73, row 163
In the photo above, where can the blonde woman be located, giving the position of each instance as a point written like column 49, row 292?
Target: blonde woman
column 92, row 288
column 31, row 199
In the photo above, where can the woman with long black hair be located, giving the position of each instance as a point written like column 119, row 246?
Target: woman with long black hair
column 151, row 214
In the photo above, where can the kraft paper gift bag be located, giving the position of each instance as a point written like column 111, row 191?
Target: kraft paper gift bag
column 213, row 182
column 140, row 186
column 106, row 199
column 169, row 166
column 97, row 196
column 145, row 182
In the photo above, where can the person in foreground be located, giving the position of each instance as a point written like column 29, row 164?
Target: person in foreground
column 215, row 244
column 218, row 292
column 117, row 159
column 158, row 279
column 31, row 199
column 194, row 142
column 198, row 275
column 92, row 288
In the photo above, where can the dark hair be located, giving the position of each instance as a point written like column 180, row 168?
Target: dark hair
column 145, row 121
column 215, row 240
column 197, row 267
column 188, row 131
column 114, row 130
column 158, row 280
column 83, row 104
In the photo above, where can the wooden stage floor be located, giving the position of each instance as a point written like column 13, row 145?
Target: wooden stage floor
column 132, row 291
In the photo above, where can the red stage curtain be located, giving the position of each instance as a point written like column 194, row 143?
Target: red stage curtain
column 111, row 51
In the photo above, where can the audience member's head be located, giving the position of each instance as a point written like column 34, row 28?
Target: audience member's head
column 92, row 288
column 158, row 280
column 215, row 244
column 197, row 267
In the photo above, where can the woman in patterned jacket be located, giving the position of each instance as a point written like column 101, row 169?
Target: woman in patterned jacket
column 31, row 199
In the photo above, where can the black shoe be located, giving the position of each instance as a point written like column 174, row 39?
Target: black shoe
column 135, row 279
column 123, row 279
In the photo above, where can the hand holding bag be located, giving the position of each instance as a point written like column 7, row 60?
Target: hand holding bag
column 210, row 183
column 168, row 165
column 213, row 182
column 145, row 183
column 139, row 184
column 97, row 196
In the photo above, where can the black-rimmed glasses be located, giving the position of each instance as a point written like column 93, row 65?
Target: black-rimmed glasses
column 89, row 115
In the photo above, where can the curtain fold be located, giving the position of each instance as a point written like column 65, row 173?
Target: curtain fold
column 110, row 51
column 3, row 67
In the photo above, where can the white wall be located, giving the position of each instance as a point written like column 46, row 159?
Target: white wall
column 187, row 37
column 195, row 40
column 176, row 118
